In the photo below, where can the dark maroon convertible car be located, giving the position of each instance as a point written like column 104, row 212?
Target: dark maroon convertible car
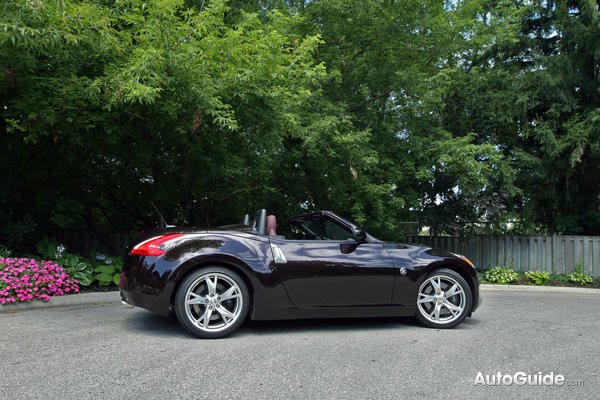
column 325, row 267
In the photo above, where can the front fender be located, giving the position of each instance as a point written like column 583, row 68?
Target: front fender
column 418, row 262
column 434, row 258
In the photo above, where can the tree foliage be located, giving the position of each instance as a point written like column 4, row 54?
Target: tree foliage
column 465, row 116
column 107, row 105
column 533, row 79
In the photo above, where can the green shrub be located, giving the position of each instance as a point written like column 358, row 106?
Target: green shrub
column 560, row 278
column 580, row 278
column 77, row 268
column 5, row 252
column 538, row 277
column 102, row 269
column 107, row 270
column 47, row 249
column 501, row 275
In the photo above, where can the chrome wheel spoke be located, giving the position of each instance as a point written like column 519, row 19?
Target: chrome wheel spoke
column 195, row 299
column 454, row 290
column 211, row 285
column 225, row 314
column 205, row 318
column 435, row 314
column 454, row 309
column 230, row 293
column 437, row 286
column 426, row 298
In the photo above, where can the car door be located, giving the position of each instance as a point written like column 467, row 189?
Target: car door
column 334, row 273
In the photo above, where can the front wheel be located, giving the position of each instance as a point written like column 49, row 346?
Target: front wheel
column 444, row 299
column 212, row 302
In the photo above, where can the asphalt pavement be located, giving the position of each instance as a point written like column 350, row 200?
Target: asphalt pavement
column 108, row 351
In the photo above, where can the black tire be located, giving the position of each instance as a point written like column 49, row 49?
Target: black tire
column 193, row 316
column 453, row 305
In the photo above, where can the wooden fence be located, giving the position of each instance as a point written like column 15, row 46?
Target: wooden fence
column 87, row 244
column 555, row 254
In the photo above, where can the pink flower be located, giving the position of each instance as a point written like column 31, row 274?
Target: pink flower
column 24, row 279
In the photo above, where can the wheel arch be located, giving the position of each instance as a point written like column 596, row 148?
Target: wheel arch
column 224, row 261
column 470, row 278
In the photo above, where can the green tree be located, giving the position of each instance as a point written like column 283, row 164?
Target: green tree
column 108, row 105
column 395, row 63
column 533, row 78
column 466, row 116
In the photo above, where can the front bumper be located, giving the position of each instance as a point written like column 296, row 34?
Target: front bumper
column 476, row 293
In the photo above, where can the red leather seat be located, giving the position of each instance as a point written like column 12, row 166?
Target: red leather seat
column 271, row 225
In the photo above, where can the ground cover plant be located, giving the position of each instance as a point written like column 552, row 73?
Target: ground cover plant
column 27, row 279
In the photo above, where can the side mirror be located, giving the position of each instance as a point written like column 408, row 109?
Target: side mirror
column 359, row 235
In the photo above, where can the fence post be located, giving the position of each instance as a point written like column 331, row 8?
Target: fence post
column 595, row 256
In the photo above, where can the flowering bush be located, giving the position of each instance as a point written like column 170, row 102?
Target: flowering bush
column 76, row 267
column 25, row 279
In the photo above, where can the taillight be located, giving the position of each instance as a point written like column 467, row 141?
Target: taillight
column 152, row 246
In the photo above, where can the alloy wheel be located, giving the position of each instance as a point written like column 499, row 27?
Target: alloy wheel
column 213, row 302
column 441, row 299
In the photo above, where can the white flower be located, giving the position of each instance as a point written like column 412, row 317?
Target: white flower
column 60, row 249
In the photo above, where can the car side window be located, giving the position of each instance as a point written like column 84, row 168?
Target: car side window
column 320, row 228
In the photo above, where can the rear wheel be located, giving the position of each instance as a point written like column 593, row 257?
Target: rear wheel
column 444, row 299
column 212, row 302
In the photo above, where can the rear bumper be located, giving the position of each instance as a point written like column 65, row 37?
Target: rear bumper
column 125, row 303
column 145, row 283
column 151, row 303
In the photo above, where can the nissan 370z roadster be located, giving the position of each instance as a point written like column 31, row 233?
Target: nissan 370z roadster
column 326, row 267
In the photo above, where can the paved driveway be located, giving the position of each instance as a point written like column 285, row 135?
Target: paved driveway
column 111, row 352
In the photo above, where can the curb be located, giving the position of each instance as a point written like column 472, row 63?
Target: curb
column 529, row 288
column 64, row 301
column 114, row 296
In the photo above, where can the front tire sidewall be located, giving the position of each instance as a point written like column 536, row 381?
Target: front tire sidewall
column 180, row 306
column 468, row 300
